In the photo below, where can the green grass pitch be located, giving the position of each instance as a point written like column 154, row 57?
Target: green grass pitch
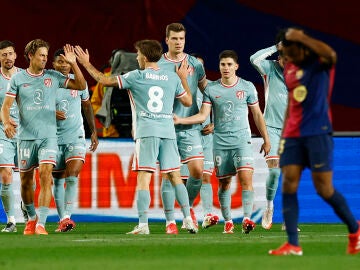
column 105, row 246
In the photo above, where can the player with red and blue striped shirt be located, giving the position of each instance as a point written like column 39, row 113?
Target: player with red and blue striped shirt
column 307, row 134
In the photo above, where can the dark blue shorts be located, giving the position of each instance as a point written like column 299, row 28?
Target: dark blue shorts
column 314, row 152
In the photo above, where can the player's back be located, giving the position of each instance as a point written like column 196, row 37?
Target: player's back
column 152, row 94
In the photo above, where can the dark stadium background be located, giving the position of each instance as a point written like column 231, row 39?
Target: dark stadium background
column 212, row 26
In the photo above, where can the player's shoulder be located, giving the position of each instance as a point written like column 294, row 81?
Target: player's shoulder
column 192, row 60
column 245, row 82
column 212, row 85
column 53, row 73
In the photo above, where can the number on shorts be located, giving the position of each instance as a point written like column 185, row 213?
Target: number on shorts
column 218, row 160
column 24, row 153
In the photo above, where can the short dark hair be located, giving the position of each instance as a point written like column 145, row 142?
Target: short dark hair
column 229, row 54
column 59, row 52
column 150, row 48
column 6, row 43
column 33, row 46
column 175, row 27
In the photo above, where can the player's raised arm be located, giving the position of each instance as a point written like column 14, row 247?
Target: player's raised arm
column 79, row 82
column 325, row 52
column 84, row 59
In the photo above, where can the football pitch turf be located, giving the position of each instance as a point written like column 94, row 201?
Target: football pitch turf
column 105, row 246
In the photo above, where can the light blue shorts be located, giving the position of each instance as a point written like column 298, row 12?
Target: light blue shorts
column 8, row 154
column 207, row 143
column 68, row 152
column 274, row 136
column 189, row 144
column 35, row 152
column 149, row 150
column 229, row 161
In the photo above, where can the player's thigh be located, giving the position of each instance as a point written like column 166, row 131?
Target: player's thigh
column 207, row 143
column 8, row 154
column 48, row 148
column 146, row 153
column 243, row 157
column 292, row 151
column 320, row 152
column 224, row 163
column 168, row 157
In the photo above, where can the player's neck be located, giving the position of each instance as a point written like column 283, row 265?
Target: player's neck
column 229, row 81
column 35, row 71
column 175, row 56
column 8, row 72
column 152, row 65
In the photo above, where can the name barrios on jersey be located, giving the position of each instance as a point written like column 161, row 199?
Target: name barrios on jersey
column 152, row 76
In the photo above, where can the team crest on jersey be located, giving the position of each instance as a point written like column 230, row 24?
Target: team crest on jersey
column 23, row 162
column 47, row 82
column 74, row 93
column 300, row 93
column 191, row 71
column 240, row 94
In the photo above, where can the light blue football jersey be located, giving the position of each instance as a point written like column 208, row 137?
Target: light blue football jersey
column 35, row 96
column 196, row 74
column 152, row 93
column 69, row 101
column 230, row 108
column 14, row 111
column 276, row 94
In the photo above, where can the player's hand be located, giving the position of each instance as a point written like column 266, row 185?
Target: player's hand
column 82, row 56
column 183, row 70
column 10, row 128
column 94, row 142
column 208, row 129
column 293, row 34
column 69, row 56
column 60, row 115
column 265, row 147
column 177, row 119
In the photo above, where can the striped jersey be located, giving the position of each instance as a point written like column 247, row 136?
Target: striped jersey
column 310, row 88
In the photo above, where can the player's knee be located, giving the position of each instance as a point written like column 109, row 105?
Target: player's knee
column 274, row 173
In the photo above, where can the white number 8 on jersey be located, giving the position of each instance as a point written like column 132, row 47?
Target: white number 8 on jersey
column 155, row 103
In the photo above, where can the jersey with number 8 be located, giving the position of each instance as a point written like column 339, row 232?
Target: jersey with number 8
column 152, row 93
